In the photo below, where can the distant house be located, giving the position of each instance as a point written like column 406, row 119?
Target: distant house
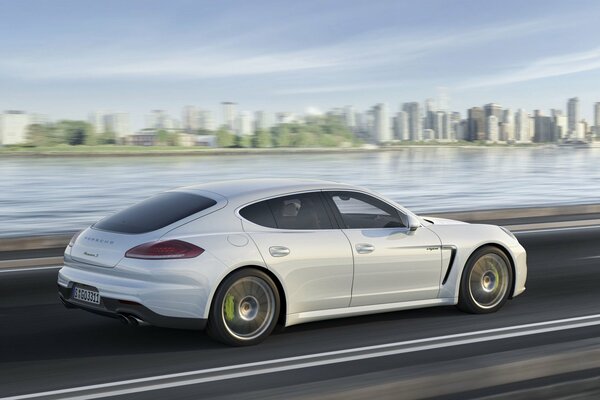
column 186, row 139
column 145, row 137
column 206, row 140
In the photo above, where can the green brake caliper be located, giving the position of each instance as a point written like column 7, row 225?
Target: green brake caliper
column 229, row 307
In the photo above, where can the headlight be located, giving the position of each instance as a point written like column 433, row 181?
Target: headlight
column 509, row 233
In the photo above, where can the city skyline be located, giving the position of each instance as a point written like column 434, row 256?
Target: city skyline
column 137, row 56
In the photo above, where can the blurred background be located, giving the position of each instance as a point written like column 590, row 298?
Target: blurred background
column 457, row 108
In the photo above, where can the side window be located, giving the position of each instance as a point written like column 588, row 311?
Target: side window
column 260, row 214
column 361, row 211
column 299, row 211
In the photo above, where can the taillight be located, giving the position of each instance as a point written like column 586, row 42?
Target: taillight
column 74, row 238
column 169, row 249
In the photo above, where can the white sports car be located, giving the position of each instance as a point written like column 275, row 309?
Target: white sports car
column 238, row 257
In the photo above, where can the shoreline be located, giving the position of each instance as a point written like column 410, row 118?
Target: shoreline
column 127, row 151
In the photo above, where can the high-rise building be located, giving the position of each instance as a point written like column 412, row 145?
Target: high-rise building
column 476, row 123
column 206, row 122
column 190, row 119
column 495, row 110
column 415, row 124
column 244, row 124
column 350, row 117
column 13, row 127
column 522, row 130
column 544, row 130
column 160, row 119
column 440, row 127
column 117, row 123
column 597, row 119
column 508, row 128
column 491, row 128
column 383, row 132
column 561, row 126
column 96, row 119
column 429, row 120
column 573, row 115
column 262, row 121
column 229, row 115
column 402, row 126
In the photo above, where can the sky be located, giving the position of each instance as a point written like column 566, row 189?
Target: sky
column 67, row 58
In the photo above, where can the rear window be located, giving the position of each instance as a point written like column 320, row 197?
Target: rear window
column 155, row 213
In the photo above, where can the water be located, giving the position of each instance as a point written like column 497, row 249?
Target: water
column 46, row 195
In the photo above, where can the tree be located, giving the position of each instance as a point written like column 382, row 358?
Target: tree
column 243, row 141
column 282, row 136
column 224, row 138
column 262, row 139
column 76, row 133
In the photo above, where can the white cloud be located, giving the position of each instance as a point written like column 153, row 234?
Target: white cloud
column 382, row 47
column 548, row 67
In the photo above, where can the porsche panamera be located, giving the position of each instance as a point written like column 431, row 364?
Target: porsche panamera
column 239, row 257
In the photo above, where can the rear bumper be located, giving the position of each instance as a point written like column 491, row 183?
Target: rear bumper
column 113, row 308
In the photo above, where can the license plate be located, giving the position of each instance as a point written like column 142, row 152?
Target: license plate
column 86, row 295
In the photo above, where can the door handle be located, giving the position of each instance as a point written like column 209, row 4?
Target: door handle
column 279, row 251
column 364, row 248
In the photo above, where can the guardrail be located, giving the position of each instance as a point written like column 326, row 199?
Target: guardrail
column 46, row 250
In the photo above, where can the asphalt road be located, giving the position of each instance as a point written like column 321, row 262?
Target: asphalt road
column 45, row 347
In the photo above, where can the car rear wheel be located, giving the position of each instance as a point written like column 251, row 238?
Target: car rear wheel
column 486, row 281
column 245, row 308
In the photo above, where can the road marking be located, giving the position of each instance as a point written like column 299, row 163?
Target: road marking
column 576, row 228
column 139, row 385
column 29, row 269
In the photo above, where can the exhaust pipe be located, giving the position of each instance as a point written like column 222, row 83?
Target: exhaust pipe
column 136, row 321
column 131, row 320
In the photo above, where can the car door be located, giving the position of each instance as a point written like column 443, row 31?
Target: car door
column 299, row 241
column 391, row 263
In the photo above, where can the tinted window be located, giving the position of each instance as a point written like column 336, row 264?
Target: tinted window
column 260, row 214
column 300, row 211
column 155, row 213
column 360, row 211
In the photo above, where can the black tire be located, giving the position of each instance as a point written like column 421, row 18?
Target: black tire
column 486, row 281
column 245, row 308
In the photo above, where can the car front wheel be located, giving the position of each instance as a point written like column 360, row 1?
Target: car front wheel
column 486, row 281
column 245, row 308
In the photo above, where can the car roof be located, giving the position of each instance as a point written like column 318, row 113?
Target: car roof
column 254, row 189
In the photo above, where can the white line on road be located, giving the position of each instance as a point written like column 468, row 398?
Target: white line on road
column 574, row 228
column 29, row 269
column 309, row 360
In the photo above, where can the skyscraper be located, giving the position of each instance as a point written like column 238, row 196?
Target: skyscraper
column 597, row 119
column 476, row 124
column 491, row 128
column 229, row 115
column 206, row 122
column 573, row 115
column 262, row 121
column 190, row 119
column 522, row 134
column 244, row 124
column 544, row 128
column 415, row 125
column 118, row 123
column 350, row 117
column 96, row 119
column 383, row 132
column 402, row 126
column 495, row 110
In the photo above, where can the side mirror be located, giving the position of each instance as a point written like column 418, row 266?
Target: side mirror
column 413, row 222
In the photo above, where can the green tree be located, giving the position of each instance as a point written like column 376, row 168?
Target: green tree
column 224, row 138
column 262, row 139
column 243, row 141
column 283, row 136
column 76, row 133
